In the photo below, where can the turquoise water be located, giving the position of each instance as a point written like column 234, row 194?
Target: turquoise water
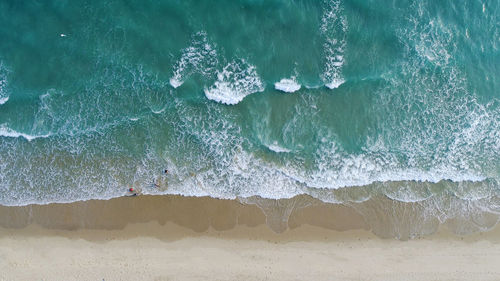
column 340, row 100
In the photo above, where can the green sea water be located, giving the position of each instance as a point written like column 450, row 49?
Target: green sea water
column 339, row 100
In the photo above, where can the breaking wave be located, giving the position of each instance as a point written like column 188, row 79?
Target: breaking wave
column 237, row 80
column 287, row 85
column 199, row 58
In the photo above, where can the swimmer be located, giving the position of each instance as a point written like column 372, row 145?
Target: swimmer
column 156, row 183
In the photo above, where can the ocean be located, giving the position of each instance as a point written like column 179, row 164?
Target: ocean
column 342, row 101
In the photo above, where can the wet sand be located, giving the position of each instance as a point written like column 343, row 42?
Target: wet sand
column 186, row 238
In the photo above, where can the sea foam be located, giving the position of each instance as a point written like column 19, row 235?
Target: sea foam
column 278, row 149
column 334, row 30
column 8, row 132
column 237, row 80
column 3, row 100
column 200, row 57
column 335, row 83
column 4, row 96
column 287, row 85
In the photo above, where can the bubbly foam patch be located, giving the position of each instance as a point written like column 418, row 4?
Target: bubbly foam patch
column 3, row 100
column 115, row 94
column 334, row 30
column 432, row 40
column 228, row 171
column 287, row 85
column 278, row 149
column 237, row 80
column 223, row 168
column 335, row 83
column 334, row 168
column 4, row 96
column 62, row 170
column 443, row 130
column 200, row 57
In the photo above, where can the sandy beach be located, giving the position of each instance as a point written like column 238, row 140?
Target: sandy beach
column 143, row 238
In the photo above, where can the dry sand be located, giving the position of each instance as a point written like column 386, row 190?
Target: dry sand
column 179, row 238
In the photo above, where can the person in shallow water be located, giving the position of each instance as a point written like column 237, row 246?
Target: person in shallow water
column 157, row 183
column 133, row 192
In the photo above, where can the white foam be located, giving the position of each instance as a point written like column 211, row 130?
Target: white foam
column 4, row 96
column 247, row 174
column 449, row 135
column 200, row 57
column 334, row 30
column 3, row 100
column 433, row 42
column 276, row 148
column 236, row 172
column 287, row 85
column 8, row 132
column 174, row 82
column 159, row 111
column 313, row 86
column 237, row 80
column 335, row 83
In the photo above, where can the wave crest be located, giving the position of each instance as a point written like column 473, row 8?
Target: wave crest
column 237, row 80
column 287, row 85
column 5, row 131
column 200, row 57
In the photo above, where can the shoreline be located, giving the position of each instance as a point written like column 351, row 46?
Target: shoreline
column 381, row 215
column 196, row 213
column 201, row 238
